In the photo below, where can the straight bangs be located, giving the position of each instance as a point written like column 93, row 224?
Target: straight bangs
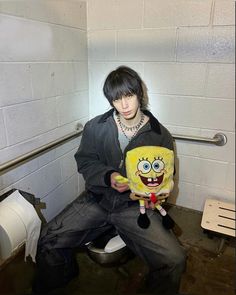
column 121, row 86
column 123, row 82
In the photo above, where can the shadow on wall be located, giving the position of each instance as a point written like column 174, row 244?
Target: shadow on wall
column 174, row 194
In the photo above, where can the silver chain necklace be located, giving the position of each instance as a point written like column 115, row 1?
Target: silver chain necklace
column 134, row 128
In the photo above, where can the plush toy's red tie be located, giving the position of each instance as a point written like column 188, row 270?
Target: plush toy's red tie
column 153, row 198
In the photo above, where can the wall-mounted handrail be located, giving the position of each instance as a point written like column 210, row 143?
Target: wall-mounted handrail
column 39, row 151
column 219, row 139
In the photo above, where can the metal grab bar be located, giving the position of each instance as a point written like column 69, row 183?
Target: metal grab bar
column 39, row 151
column 219, row 139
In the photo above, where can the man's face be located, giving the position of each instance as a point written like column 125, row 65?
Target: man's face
column 127, row 106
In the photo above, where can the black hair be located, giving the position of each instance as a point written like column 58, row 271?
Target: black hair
column 123, row 81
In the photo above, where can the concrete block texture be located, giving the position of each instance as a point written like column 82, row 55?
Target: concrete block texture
column 197, row 112
column 113, row 14
column 43, row 93
column 42, row 181
column 223, row 153
column 176, row 13
column 58, row 78
column 230, row 177
column 3, row 139
column 72, row 106
column 55, row 55
column 102, row 45
column 30, row 119
column 61, row 196
column 146, row 45
column 52, row 79
column 220, row 80
column 66, row 13
column 224, row 12
column 203, row 192
column 15, row 84
column 201, row 171
column 206, row 44
column 175, row 78
column 37, row 41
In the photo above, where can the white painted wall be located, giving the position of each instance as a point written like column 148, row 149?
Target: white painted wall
column 184, row 51
column 43, row 95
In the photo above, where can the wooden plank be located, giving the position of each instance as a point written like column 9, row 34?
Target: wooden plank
column 219, row 217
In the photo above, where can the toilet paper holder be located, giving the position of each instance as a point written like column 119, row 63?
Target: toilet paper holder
column 15, row 229
column 36, row 202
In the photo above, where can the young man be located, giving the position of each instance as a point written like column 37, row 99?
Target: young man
column 106, row 203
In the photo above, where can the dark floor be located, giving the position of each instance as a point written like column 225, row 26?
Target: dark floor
column 207, row 273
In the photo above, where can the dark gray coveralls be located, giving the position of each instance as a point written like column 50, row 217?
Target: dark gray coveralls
column 102, row 207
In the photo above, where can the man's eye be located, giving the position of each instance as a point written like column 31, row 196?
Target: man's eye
column 129, row 95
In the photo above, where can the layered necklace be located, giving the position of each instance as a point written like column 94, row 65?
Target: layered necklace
column 134, row 129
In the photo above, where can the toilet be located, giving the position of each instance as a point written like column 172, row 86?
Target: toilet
column 109, row 250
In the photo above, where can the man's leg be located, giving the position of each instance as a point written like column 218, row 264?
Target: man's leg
column 80, row 222
column 75, row 225
column 157, row 246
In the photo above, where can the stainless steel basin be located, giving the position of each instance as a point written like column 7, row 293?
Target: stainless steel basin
column 101, row 257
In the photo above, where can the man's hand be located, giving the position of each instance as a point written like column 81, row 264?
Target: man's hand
column 120, row 187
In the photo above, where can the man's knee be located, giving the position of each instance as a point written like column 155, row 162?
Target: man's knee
column 178, row 259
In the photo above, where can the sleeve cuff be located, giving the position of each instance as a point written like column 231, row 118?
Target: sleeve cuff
column 107, row 177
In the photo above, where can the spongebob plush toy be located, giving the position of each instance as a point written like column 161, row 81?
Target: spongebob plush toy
column 149, row 172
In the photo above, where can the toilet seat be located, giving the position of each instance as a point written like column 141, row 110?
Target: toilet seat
column 114, row 244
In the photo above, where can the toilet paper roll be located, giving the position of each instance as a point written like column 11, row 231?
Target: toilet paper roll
column 12, row 232
column 22, row 215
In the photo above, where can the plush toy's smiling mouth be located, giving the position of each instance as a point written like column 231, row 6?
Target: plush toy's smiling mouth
column 152, row 182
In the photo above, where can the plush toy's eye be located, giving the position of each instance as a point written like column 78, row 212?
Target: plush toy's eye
column 158, row 165
column 144, row 166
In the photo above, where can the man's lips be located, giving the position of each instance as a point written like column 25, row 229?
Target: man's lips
column 152, row 182
column 126, row 113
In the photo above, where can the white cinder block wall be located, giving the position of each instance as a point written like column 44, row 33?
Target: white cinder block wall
column 184, row 51
column 43, row 95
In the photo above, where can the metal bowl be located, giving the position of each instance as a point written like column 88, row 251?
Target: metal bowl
column 101, row 257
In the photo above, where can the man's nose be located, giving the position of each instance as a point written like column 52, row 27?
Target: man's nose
column 124, row 103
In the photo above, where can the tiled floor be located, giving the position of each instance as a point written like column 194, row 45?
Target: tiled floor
column 207, row 272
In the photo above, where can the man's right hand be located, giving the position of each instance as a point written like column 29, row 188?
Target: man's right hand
column 120, row 187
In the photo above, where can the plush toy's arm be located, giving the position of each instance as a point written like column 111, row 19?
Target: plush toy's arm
column 135, row 196
column 121, row 179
